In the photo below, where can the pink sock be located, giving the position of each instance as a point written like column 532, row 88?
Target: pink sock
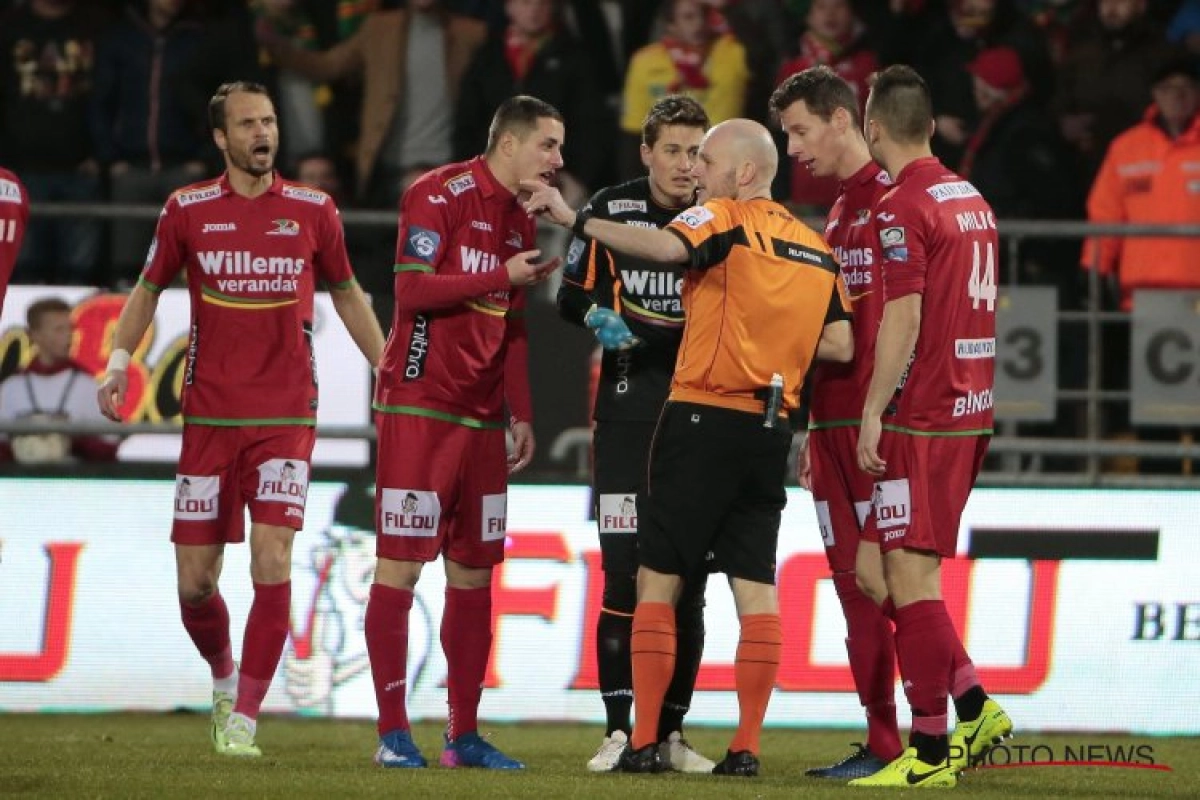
column 208, row 625
column 262, row 645
column 387, row 647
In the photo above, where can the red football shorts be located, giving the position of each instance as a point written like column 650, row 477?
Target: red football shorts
column 440, row 487
column 222, row 470
column 841, row 493
column 920, row 499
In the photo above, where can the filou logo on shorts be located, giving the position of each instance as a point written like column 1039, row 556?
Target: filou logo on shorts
column 283, row 480
column 409, row 512
column 891, row 503
column 494, row 517
column 618, row 513
column 196, row 497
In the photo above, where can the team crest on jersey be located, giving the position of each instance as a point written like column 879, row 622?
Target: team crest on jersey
column 861, row 218
column 307, row 195
column 460, row 183
column 285, row 227
column 422, row 243
column 514, row 240
column 625, row 206
column 199, row 195
column 9, row 191
column 694, row 217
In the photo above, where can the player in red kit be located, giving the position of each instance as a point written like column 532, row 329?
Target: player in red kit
column 927, row 420
column 818, row 111
column 14, row 215
column 252, row 247
column 454, row 377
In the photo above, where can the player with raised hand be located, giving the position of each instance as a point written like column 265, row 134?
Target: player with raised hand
column 253, row 247
column 614, row 294
column 455, row 376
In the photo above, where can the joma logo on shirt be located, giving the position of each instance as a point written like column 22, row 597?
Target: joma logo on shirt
column 243, row 262
column 476, row 261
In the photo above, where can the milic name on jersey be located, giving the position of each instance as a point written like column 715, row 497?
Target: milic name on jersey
column 199, row 195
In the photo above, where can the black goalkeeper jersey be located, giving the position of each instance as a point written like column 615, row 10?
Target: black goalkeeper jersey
column 634, row 383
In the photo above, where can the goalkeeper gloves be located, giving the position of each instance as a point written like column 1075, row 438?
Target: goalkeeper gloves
column 610, row 329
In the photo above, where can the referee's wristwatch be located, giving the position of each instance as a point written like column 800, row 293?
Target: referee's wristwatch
column 581, row 218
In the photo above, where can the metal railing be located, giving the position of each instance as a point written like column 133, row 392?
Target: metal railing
column 1020, row 455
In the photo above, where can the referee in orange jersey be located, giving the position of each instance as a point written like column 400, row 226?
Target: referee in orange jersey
column 762, row 298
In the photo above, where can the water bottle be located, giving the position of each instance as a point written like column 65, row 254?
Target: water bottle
column 774, row 402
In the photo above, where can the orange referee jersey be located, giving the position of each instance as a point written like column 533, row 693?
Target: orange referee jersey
column 759, row 288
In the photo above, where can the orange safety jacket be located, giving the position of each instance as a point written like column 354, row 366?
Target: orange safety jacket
column 1147, row 177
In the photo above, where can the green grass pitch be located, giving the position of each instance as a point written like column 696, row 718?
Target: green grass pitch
column 168, row 756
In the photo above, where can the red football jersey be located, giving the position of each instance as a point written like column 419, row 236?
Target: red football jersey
column 14, row 215
column 457, row 220
column 840, row 389
column 252, row 267
column 938, row 237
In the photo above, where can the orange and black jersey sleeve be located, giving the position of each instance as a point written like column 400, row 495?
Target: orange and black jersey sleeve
column 760, row 288
column 633, row 384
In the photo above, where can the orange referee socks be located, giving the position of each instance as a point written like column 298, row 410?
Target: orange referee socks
column 755, row 668
column 652, row 648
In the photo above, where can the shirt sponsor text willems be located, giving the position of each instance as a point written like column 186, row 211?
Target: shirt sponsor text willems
column 275, row 273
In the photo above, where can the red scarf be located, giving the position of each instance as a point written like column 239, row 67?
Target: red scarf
column 521, row 50
column 689, row 64
column 984, row 130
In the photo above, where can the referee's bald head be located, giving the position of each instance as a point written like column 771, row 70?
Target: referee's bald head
column 748, row 142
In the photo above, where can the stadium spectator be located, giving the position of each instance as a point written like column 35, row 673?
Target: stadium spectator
column 1149, row 176
column 819, row 111
column 14, row 216
column 52, row 387
column 1185, row 26
column 1019, row 162
column 932, row 383
column 45, row 76
column 536, row 55
column 833, row 36
column 250, row 395
column 1103, row 85
column 690, row 58
column 951, row 41
column 723, row 435
column 454, row 376
column 147, row 139
column 412, row 61
column 624, row 300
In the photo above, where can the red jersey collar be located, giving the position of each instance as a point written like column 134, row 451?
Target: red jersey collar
column 928, row 162
column 227, row 187
column 868, row 173
column 491, row 188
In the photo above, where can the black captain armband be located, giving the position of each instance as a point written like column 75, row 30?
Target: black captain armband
column 581, row 218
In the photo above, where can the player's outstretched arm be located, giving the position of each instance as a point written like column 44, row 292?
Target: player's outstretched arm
column 649, row 243
column 360, row 321
column 135, row 318
column 836, row 342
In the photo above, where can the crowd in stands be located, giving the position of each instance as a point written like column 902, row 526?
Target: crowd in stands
column 105, row 100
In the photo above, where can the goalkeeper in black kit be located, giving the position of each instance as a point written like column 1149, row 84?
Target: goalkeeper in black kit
column 635, row 309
